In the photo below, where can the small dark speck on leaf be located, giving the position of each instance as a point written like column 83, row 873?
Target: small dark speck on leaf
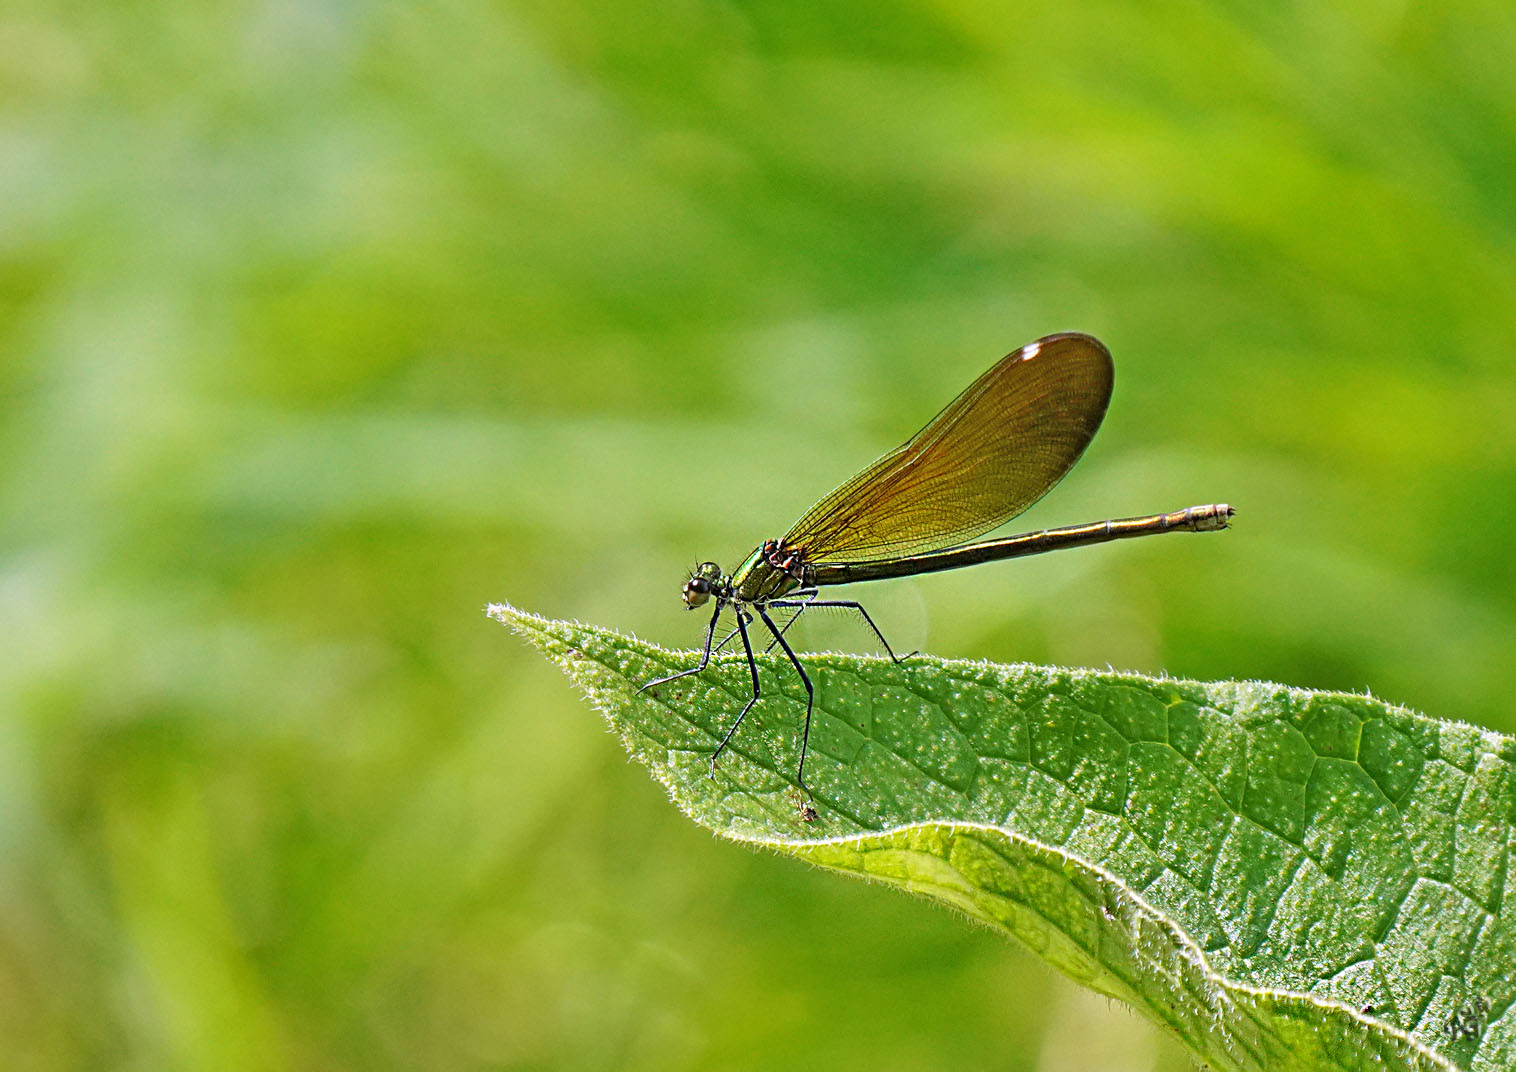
column 1469, row 1020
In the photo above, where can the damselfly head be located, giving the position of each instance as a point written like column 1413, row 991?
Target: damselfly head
column 703, row 581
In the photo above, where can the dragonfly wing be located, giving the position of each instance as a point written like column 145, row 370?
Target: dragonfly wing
column 996, row 449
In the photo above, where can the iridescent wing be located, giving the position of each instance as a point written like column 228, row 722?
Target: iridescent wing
column 996, row 449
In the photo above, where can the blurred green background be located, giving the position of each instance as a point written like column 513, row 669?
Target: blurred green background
column 323, row 324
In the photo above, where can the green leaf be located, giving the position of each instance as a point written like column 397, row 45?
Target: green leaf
column 1285, row 879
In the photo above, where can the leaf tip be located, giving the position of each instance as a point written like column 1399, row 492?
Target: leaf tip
column 522, row 621
column 532, row 628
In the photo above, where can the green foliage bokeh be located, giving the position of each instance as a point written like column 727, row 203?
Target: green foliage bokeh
column 322, row 325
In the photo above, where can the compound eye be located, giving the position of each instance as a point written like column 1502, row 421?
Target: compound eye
column 696, row 591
